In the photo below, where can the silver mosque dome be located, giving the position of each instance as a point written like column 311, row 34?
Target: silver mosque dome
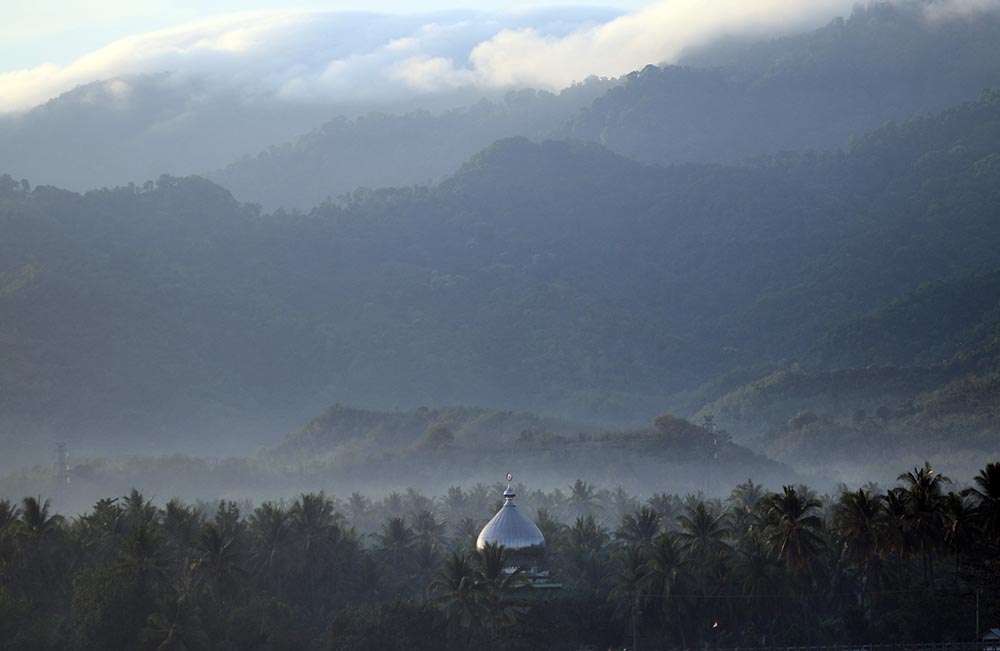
column 512, row 529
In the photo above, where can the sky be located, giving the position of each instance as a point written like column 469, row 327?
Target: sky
column 324, row 51
column 57, row 31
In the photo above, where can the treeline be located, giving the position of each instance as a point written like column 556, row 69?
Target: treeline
column 757, row 568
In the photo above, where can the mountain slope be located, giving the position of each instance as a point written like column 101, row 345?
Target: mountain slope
column 378, row 150
column 886, row 61
column 557, row 277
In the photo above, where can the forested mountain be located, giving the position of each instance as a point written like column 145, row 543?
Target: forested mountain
column 553, row 276
column 886, row 61
column 110, row 132
column 379, row 149
column 726, row 101
column 730, row 101
column 918, row 375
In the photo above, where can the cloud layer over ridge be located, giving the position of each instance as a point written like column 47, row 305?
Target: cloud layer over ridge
column 356, row 56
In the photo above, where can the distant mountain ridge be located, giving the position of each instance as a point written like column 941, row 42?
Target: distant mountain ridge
column 885, row 62
column 556, row 277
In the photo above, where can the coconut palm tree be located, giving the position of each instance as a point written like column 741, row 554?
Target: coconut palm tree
column 427, row 528
column 639, row 528
column 9, row 513
column 743, row 504
column 629, row 585
column 500, row 609
column 860, row 520
column 181, row 524
column 668, row 574
column 622, row 503
column 457, row 593
column 359, row 510
column 794, row 530
column 960, row 526
column 176, row 626
column 395, row 542
column 586, row 535
column 702, row 531
column 219, row 563
column 758, row 575
column 924, row 503
column 582, row 499
column 37, row 523
column 272, row 535
column 986, row 492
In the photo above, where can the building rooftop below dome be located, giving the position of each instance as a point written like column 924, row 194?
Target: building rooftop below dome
column 511, row 528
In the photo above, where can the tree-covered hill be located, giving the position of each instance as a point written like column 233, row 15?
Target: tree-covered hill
column 919, row 373
column 886, row 61
column 378, row 149
column 724, row 103
column 950, row 320
column 556, row 277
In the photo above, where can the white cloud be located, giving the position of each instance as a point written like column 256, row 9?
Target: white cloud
column 314, row 55
column 948, row 9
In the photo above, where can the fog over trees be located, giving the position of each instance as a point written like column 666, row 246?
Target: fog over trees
column 733, row 321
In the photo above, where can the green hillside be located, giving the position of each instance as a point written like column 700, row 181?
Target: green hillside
column 730, row 100
column 557, row 277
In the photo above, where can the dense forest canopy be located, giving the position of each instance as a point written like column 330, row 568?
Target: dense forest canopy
column 554, row 276
column 757, row 567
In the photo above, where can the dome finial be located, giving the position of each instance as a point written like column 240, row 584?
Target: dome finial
column 509, row 493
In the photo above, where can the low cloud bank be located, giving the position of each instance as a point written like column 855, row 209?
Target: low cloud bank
column 322, row 56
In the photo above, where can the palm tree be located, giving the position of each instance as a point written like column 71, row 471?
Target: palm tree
column 795, row 529
column 182, row 525
column 743, row 504
column 582, row 499
column 987, row 494
column 465, row 534
column 424, row 559
column 395, row 541
column 455, row 501
column 860, row 519
column 416, row 502
column 427, row 528
column 668, row 575
column 358, row 510
column 138, row 510
column 36, row 522
column 273, row 535
column 639, row 528
column 9, row 513
column 630, row 582
column 497, row 579
column 758, row 575
column 551, row 529
column 668, row 507
column 312, row 517
column 587, row 535
column 703, row 531
column 218, row 563
column 924, row 503
column 622, row 503
column 456, row 592
column 960, row 530
column 142, row 555
column 176, row 626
